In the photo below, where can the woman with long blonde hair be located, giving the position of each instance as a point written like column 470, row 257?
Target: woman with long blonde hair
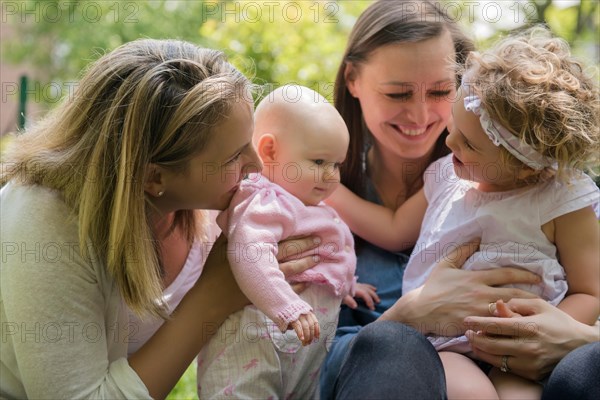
column 100, row 220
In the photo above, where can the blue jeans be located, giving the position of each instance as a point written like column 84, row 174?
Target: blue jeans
column 389, row 360
column 383, row 359
column 576, row 375
column 382, row 269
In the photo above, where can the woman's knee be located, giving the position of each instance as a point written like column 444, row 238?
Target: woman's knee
column 391, row 336
column 576, row 376
column 387, row 359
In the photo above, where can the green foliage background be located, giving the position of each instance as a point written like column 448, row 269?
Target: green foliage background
column 273, row 42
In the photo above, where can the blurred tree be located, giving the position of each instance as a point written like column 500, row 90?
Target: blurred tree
column 577, row 22
column 62, row 37
column 285, row 41
column 273, row 42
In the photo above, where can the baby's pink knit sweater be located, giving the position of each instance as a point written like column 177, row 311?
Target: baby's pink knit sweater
column 260, row 215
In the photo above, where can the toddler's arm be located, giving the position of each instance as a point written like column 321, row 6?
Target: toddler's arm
column 577, row 238
column 393, row 231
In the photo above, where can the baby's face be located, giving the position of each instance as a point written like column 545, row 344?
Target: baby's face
column 308, row 162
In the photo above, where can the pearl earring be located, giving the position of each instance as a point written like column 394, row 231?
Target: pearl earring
column 160, row 193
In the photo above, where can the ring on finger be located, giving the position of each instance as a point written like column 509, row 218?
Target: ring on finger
column 492, row 308
column 504, row 366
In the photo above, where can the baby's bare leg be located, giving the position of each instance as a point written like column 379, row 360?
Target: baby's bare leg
column 510, row 386
column 464, row 379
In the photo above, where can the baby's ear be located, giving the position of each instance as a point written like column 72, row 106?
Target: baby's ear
column 267, row 147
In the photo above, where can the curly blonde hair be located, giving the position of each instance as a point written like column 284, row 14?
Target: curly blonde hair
column 532, row 85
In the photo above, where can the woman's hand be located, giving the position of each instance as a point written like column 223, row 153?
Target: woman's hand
column 450, row 294
column 290, row 262
column 534, row 335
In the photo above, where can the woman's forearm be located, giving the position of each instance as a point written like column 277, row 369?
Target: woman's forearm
column 588, row 334
column 573, row 337
column 165, row 357
column 162, row 360
column 410, row 312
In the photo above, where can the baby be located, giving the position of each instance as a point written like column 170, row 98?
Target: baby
column 258, row 352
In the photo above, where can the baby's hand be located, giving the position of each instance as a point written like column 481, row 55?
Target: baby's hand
column 307, row 328
column 363, row 291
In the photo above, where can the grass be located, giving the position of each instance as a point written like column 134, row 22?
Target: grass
column 186, row 387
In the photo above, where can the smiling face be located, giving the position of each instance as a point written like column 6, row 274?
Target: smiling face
column 213, row 176
column 475, row 157
column 406, row 91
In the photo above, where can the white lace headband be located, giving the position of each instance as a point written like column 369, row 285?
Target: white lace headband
column 499, row 135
